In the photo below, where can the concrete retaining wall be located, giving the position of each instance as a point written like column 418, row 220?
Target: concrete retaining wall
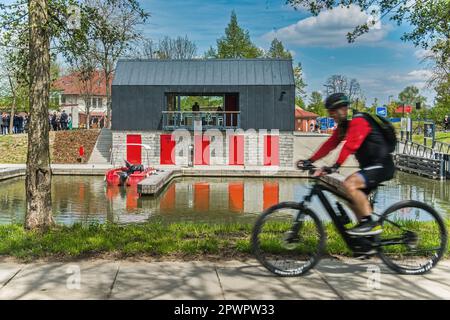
column 219, row 146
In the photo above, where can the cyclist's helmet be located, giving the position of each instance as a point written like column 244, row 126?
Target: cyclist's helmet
column 336, row 100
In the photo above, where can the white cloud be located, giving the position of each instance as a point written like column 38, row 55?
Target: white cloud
column 418, row 76
column 421, row 53
column 329, row 29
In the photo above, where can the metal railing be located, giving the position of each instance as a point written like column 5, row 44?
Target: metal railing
column 422, row 160
column 441, row 147
column 209, row 119
column 415, row 149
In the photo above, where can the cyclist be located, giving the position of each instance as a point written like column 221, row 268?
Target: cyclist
column 364, row 139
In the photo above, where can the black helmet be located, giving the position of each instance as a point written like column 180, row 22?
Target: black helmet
column 336, row 100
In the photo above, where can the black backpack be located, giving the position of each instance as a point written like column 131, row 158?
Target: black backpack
column 386, row 128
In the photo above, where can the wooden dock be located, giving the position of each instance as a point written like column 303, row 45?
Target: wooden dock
column 154, row 184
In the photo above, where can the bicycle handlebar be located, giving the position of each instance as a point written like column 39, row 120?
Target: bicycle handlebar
column 312, row 168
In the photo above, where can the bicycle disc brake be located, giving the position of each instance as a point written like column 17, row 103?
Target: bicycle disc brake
column 291, row 237
column 411, row 239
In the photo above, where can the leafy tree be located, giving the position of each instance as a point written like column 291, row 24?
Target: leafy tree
column 167, row 48
column 410, row 95
column 442, row 103
column 30, row 26
column 300, row 103
column 359, row 104
column 373, row 106
column 300, row 84
column 391, row 107
column 339, row 83
column 235, row 43
column 429, row 19
column 112, row 30
column 317, row 104
column 84, row 67
column 277, row 50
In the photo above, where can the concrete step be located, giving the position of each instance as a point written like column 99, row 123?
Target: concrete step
column 102, row 149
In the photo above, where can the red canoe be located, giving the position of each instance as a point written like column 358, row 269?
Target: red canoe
column 113, row 176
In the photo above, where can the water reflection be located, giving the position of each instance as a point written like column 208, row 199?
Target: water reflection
column 88, row 199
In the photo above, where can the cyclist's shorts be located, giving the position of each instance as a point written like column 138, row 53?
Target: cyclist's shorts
column 376, row 174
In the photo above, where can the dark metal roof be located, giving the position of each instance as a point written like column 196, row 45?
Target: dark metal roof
column 204, row 72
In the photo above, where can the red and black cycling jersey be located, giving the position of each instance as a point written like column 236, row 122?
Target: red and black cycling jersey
column 362, row 138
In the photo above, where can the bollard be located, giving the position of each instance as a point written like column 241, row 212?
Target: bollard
column 81, row 154
column 191, row 156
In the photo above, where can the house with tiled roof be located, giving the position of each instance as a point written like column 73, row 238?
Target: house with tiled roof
column 72, row 95
column 304, row 120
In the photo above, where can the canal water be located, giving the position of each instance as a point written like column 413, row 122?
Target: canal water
column 87, row 199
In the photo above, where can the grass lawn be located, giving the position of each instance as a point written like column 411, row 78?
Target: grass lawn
column 64, row 146
column 440, row 136
column 13, row 148
column 186, row 240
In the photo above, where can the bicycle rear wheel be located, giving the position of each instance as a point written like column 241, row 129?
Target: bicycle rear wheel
column 414, row 237
column 288, row 239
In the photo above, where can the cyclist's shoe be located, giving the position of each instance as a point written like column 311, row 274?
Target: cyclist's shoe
column 365, row 228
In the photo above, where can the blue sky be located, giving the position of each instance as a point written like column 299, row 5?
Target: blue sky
column 380, row 61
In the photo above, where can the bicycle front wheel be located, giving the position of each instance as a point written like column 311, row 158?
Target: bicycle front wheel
column 288, row 239
column 414, row 237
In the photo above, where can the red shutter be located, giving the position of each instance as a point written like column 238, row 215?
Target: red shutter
column 134, row 153
column 271, row 150
column 201, row 150
column 167, row 149
column 236, row 150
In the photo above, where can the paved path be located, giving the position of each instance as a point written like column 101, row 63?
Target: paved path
column 109, row 279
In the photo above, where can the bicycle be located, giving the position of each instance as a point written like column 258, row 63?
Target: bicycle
column 289, row 239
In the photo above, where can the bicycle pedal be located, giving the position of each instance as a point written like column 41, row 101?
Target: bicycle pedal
column 361, row 257
column 365, row 255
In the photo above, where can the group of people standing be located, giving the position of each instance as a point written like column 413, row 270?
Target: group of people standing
column 60, row 121
column 20, row 123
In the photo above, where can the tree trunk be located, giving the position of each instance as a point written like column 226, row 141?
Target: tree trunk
column 88, row 111
column 108, row 100
column 38, row 174
column 13, row 107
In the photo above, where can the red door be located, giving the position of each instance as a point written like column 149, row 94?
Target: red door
column 201, row 150
column 271, row 150
column 167, row 149
column 134, row 153
column 236, row 150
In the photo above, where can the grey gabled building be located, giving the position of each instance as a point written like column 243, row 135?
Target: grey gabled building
column 258, row 93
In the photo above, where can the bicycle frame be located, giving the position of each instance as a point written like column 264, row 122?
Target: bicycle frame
column 318, row 190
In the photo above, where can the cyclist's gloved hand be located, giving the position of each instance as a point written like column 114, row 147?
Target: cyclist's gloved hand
column 329, row 170
column 305, row 164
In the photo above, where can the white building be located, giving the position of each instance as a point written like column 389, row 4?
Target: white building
column 70, row 93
